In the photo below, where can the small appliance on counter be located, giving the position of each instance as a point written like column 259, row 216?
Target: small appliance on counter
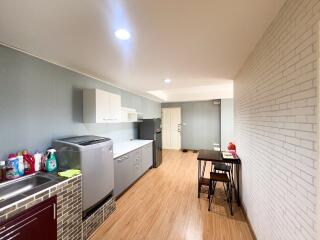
column 150, row 129
column 94, row 157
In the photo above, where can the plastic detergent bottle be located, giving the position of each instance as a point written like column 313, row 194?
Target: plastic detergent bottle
column 21, row 163
column 12, row 167
column 28, row 160
column 51, row 163
column 37, row 161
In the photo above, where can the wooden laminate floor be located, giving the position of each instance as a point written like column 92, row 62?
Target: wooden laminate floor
column 163, row 205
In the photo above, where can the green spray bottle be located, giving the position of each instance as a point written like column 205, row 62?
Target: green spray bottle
column 51, row 164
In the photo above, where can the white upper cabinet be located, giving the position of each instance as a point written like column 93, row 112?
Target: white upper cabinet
column 100, row 106
column 114, row 107
column 101, row 100
column 129, row 115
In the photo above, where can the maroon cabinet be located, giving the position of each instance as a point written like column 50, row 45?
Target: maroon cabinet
column 38, row 222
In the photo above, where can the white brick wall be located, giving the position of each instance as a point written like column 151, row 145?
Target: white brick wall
column 276, row 125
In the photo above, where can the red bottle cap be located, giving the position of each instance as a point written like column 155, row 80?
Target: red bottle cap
column 12, row 155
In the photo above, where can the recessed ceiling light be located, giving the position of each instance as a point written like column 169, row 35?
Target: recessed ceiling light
column 122, row 34
column 167, row 80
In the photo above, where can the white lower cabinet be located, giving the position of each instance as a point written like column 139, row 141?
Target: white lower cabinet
column 129, row 167
column 123, row 176
column 146, row 157
column 136, row 163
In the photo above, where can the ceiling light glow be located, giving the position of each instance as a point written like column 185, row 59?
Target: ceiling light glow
column 122, row 34
column 167, row 80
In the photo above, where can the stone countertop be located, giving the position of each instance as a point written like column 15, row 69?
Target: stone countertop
column 122, row 148
column 43, row 187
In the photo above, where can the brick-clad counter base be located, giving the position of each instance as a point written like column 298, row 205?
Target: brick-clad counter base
column 68, row 207
column 96, row 219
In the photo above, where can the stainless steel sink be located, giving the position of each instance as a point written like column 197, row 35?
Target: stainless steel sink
column 15, row 187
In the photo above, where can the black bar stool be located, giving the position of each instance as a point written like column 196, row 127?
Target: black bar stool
column 224, row 178
column 224, row 168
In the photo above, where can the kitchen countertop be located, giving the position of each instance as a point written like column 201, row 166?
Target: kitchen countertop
column 20, row 197
column 122, row 148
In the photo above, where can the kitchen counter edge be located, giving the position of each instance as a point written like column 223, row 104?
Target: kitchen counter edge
column 129, row 146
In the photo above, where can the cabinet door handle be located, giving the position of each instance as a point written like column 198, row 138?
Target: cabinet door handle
column 109, row 119
column 54, row 211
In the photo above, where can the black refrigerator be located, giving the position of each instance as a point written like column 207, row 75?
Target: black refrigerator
column 150, row 129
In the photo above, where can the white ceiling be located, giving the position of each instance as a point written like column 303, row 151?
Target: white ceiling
column 221, row 89
column 200, row 45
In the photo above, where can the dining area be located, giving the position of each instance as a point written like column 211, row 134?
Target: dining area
column 219, row 167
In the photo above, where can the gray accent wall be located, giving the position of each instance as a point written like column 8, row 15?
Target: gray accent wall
column 40, row 101
column 200, row 124
column 226, row 122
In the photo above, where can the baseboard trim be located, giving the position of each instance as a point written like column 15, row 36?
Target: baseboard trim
column 189, row 150
column 249, row 223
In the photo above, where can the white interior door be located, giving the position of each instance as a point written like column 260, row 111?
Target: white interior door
column 166, row 142
column 171, row 128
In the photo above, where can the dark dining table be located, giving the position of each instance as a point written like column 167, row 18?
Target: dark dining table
column 205, row 156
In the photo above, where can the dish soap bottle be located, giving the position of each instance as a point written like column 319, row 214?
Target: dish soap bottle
column 51, row 163
column 21, row 163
